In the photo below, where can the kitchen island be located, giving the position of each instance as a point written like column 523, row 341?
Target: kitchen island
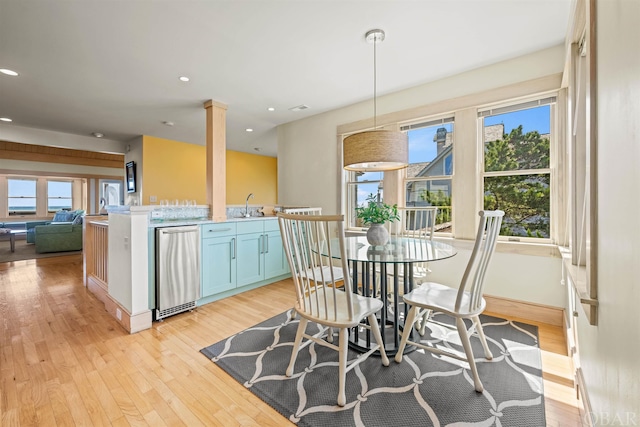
column 237, row 255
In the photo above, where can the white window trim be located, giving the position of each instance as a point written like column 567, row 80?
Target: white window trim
column 553, row 141
column 468, row 157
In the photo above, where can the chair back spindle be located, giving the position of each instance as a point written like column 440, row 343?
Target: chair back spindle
column 474, row 275
column 320, row 292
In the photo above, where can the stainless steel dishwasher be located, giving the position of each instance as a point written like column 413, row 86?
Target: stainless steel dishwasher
column 177, row 269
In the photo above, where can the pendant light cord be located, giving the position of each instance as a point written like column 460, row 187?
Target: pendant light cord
column 375, row 109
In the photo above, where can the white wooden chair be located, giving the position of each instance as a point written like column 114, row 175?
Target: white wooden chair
column 337, row 271
column 466, row 302
column 319, row 297
column 417, row 222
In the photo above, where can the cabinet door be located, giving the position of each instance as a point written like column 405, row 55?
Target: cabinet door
column 250, row 259
column 218, row 265
column 275, row 260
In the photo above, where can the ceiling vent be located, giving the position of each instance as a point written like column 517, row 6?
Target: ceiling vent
column 299, row 108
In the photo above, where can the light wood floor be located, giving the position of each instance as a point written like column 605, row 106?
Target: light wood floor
column 65, row 361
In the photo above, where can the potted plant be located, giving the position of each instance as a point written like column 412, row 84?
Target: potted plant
column 375, row 214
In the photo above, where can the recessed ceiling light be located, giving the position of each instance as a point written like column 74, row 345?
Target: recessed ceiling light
column 271, row 109
column 168, row 123
column 8, row 72
column 97, row 134
column 6, row 119
column 184, row 78
column 249, row 130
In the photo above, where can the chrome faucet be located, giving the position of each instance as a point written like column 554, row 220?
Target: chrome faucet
column 246, row 205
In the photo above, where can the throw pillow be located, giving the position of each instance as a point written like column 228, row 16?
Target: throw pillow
column 63, row 216
column 5, row 230
column 77, row 220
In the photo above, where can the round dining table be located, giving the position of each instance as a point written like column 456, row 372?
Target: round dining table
column 386, row 272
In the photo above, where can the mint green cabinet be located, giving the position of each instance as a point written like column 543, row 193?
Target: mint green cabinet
column 238, row 254
column 250, row 268
column 275, row 260
column 260, row 252
column 218, row 256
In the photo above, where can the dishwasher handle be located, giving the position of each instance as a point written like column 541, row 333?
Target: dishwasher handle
column 182, row 230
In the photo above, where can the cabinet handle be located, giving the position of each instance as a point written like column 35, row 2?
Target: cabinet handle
column 219, row 230
column 233, row 241
column 266, row 238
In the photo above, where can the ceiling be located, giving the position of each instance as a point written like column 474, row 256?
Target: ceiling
column 113, row 66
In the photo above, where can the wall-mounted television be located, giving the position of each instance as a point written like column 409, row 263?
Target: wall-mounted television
column 131, row 177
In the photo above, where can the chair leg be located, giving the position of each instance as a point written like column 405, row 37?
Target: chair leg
column 302, row 326
column 330, row 335
column 423, row 322
column 292, row 316
column 342, row 365
column 408, row 324
column 487, row 353
column 375, row 328
column 464, row 338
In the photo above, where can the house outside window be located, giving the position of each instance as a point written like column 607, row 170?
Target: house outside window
column 429, row 175
column 59, row 195
column 517, row 171
column 22, row 196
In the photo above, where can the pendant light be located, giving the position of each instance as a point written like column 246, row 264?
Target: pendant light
column 375, row 150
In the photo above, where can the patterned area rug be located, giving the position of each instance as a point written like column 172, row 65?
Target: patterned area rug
column 423, row 390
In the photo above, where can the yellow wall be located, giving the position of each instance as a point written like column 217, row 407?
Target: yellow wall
column 173, row 170
column 177, row 170
column 250, row 173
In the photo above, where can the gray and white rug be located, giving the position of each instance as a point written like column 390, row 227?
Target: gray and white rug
column 423, row 390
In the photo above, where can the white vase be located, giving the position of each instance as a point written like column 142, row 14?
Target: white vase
column 377, row 235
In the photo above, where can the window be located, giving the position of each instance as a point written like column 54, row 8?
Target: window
column 22, row 196
column 359, row 187
column 517, row 172
column 428, row 177
column 59, row 195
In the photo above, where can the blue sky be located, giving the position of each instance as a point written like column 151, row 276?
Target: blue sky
column 531, row 119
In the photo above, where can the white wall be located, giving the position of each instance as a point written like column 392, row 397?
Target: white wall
column 309, row 172
column 540, row 285
column 610, row 351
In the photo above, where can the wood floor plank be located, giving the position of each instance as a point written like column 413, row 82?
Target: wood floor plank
column 65, row 361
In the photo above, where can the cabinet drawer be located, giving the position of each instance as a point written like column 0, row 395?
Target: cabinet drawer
column 251, row 226
column 271, row 225
column 219, row 229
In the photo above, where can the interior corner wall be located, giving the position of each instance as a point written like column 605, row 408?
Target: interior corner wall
column 250, row 173
column 609, row 351
column 174, row 170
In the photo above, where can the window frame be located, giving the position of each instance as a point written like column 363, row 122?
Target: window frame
column 508, row 106
column 352, row 197
column 467, row 188
column 48, row 207
column 421, row 123
column 11, row 213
